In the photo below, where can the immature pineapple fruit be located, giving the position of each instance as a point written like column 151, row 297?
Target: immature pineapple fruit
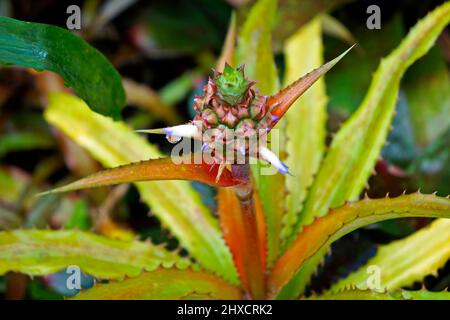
column 230, row 111
column 232, row 121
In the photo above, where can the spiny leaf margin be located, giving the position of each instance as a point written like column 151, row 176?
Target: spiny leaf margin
column 405, row 261
column 115, row 144
column 343, row 220
column 357, row 146
column 305, row 121
column 355, row 294
column 42, row 252
column 164, row 284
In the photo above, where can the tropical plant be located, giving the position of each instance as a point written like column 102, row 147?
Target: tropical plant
column 274, row 230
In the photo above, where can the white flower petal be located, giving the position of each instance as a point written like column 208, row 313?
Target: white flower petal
column 270, row 157
column 184, row 130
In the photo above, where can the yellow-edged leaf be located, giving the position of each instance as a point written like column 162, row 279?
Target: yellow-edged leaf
column 357, row 146
column 355, row 294
column 114, row 144
column 41, row 252
column 405, row 261
column 305, row 121
column 341, row 221
column 164, row 284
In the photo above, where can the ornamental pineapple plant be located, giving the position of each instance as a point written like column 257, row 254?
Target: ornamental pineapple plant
column 273, row 230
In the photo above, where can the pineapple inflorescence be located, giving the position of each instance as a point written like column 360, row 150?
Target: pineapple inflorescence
column 232, row 122
column 231, row 112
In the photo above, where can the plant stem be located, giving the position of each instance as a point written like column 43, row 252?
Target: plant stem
column 253, row 261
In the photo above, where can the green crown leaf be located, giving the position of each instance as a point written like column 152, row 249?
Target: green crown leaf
column 232, row 85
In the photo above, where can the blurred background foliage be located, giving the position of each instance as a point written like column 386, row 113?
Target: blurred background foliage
column 165, row 51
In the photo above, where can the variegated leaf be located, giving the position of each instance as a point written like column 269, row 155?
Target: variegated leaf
column 357, row 146
column 114, row 144
column 164, row 284
column 355, row 294
column 325, row 230
column 41, row 252
column 405, row 261
column 305, row 121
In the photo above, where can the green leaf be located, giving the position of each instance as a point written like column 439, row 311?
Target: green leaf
column 295, row 14
column 146, row 98
column 177, row 90
column 355, row 294
column 13, row 183
column 305, row 120
column 347, row 88
column 41, row 252
column 163, row 284
column 405, row 261
column 306, row 146
column 426, row 88
column 9, row 219
column 254, row 49
column 423, row 295
column 341, row 221
column 296, row 286
column 357, row 146
column 24, row 141
column 46, row 47
column 292, row 15
column 175, row 203
column 334, row 28
column 80, row 216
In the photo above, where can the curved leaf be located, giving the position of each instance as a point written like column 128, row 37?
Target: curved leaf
column 325, row 230
column 46, row 47
column 357, row 146
column 334, row 28
column 175, row 203
column 254, row 47
column 164, row 284
column 356, row 294
column 41, row 252
column 405, row 261
column 305, row 121
column 151, row 170
column 146, row 98
column 295, row 14
column 24, row 141
column 428, row 96
column 13, row 182
column 284, row 99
